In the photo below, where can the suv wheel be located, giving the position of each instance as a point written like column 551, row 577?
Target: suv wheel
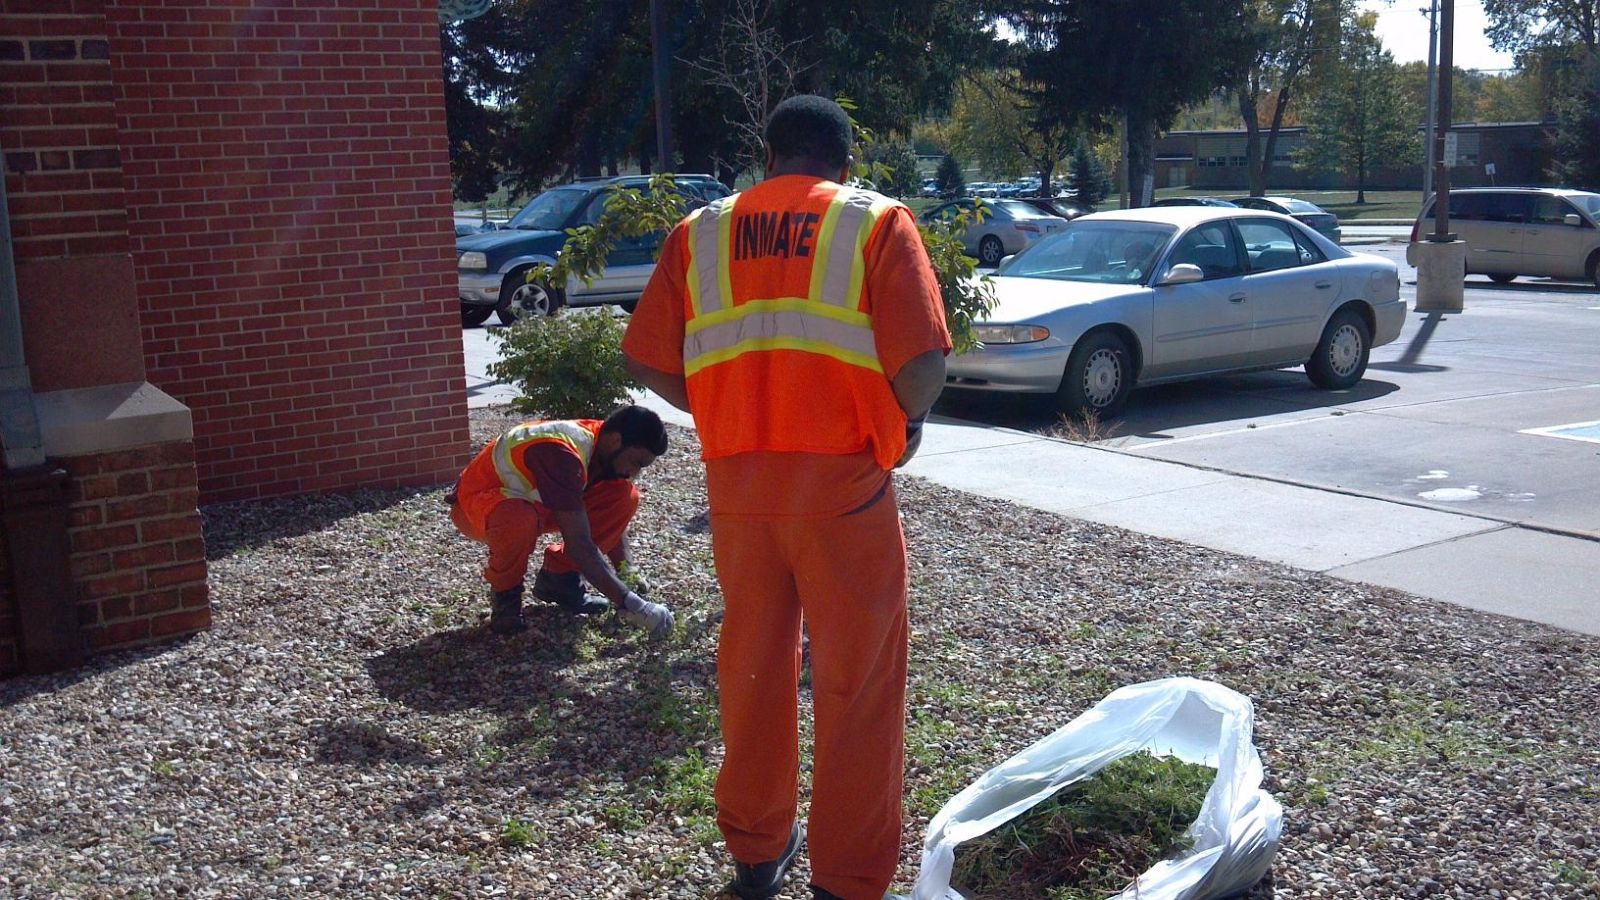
column 520, row 297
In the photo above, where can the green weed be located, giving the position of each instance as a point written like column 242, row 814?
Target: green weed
column 518, row 835
column 1089, row 840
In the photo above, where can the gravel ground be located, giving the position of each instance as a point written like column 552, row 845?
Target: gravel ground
column 349, row 728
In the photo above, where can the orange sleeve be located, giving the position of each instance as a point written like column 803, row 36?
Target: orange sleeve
column 655, row 330
column 902, row 293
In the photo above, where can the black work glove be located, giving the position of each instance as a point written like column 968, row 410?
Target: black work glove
column 913, row 439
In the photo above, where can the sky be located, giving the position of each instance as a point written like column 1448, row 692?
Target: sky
column 1403, row 28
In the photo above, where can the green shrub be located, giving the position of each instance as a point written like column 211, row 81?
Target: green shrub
column 567, row 366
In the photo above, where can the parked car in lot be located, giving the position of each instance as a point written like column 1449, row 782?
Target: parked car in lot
column 1007, row 227
column 1193, row 201
column 1320, row 220
column 1550, row 232
column 1122, row 299
column 491, row 268
column 1056, row 207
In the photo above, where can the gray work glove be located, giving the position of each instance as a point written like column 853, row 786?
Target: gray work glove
column 641, row 613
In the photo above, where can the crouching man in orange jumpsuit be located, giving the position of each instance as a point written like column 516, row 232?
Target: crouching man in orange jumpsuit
column 575, row 477
column 801, row 323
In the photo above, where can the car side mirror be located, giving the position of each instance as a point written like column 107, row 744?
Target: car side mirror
column 1183, row 273
column 1004, row 261
column 1573, row 219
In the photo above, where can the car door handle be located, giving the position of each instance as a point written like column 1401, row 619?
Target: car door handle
column 1236, row 298
column 1324, row 285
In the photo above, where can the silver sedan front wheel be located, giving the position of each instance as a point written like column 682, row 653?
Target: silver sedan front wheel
column 1099, row 377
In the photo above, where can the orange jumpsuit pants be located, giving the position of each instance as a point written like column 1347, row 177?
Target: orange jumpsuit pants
column 846, row 577
column 513, row 527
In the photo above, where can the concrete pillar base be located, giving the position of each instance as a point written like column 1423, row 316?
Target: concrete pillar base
column 1441, row 266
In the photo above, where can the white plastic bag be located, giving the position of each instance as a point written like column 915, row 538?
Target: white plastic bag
column 1234, row 838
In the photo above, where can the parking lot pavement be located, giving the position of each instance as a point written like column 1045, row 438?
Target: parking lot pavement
column 1445, row 473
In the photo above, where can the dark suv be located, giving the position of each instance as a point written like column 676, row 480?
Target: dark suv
column 491, row 267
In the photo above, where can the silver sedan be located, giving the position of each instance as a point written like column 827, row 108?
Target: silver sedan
column 1117, row 300
column 1007, row 226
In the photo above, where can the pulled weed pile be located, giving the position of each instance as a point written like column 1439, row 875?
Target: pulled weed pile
column 1090, row 840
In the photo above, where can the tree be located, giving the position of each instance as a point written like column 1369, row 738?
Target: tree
column 895, row 166
column 573, row 78
column 1577, row 133
column 754, row 65
column 1286, row 37
column 948, row 175
column 1007, row 127
column 1520, row 26
column 1361, row 118
column 1090, row 180
column 1139, row 61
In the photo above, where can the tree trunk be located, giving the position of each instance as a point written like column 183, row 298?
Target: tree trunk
column 1046, row 170
column 1255, row 165
column 1270, row 152
column 1141, row 146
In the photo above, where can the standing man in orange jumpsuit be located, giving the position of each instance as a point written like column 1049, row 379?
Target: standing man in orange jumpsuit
column 801, row 323
column 575, row 477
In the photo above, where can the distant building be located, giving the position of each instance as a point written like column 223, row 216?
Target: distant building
column 1215, row 160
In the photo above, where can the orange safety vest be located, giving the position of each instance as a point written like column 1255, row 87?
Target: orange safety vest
column 500, row 471
column 788, row 373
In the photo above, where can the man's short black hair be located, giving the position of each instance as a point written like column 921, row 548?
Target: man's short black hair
column 638, row 427
column 809, row 127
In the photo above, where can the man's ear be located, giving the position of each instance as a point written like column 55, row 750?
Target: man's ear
column 772, row 160
column 610, row 444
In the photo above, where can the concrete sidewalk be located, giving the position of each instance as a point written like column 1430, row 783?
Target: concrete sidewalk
column 1467, row 560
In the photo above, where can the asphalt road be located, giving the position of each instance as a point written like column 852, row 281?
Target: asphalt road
column 1463, row 413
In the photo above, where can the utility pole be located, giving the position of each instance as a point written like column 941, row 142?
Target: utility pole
column 1433, row 76
column 1441, row 260
column 1441, row 175
column 659, row 57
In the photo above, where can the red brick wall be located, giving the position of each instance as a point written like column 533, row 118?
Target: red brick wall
column 289, row 216
column 138, row 556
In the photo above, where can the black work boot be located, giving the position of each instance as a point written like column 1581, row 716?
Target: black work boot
column 505, row 616
column 566, row 591
column 761, row 881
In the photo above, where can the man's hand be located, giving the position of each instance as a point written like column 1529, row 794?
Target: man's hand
column 653, row 617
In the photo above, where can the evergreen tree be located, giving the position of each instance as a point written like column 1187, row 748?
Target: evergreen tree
column 1090, row 181
column 894, row 168
column 1576, row 160
column 1361, row 119
column 951, row 184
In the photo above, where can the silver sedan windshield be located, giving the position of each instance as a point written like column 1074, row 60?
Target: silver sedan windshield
column 1104, row 252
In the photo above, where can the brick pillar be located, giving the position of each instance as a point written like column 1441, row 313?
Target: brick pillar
column 134, row 550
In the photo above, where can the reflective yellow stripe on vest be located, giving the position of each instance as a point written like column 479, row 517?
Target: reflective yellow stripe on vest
column 708, row 282
column 827, row 322
column 514, row 483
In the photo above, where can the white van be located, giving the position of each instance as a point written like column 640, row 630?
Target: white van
column 1550, row 232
